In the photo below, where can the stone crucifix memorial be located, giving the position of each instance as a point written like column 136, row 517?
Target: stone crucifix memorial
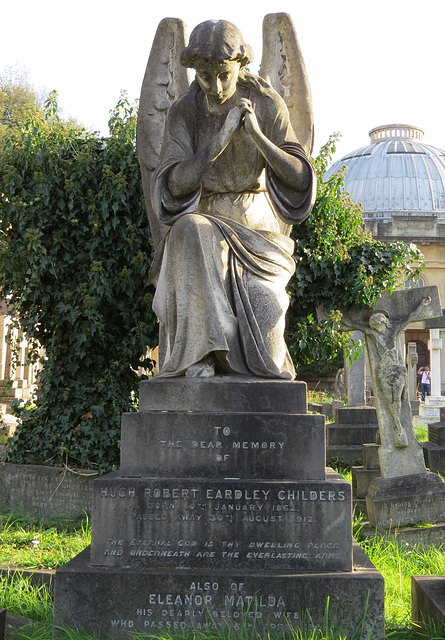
column 406, row 493
column 222, row 513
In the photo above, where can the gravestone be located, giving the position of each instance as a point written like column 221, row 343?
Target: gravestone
column 353, row 427
column 434, row 449
column 406, row 493
column 221, row 510
column 46, row 492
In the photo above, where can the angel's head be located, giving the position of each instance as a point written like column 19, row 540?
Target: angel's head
column 219, row 54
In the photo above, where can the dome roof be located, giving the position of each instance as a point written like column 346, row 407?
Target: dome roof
column 396, row 173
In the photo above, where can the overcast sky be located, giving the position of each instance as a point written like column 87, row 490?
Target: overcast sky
column 369, row 63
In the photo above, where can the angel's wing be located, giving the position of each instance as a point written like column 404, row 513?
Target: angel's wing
column 164, row 81
column 282, row 65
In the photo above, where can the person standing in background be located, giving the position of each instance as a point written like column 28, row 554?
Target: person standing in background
column 425, row 383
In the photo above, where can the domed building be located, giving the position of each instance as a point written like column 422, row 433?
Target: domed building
column 400, row 182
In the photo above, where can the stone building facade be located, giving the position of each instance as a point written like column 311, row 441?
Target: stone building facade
column 400, row 182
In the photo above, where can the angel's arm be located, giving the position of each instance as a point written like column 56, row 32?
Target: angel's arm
column 289, row 169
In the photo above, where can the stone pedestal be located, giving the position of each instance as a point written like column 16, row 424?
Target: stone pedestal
column 353, row 427
column 222, row 514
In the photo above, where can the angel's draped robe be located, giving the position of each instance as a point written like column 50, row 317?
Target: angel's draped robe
column 222, row 269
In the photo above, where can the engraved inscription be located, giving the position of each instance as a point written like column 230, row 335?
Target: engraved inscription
column 281, row 525
column 223, row 442
column 209, row 605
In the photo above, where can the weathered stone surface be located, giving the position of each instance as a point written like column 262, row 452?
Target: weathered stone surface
column 353, row 427
column 170, row 601
column 428, row 599
column 351, row 434
column 430, row 413
column 434, row 457
column 361, row 480
column 435, row 401
column 371, row 458
column 46, row 491
column 436, row 433
column 394, row 502
column 213, row 316
column 400, row 453
column 228, row 393
column 356, row 415
column 420, row 537
column 348, row 454
column 290, row 526
column 223, row 445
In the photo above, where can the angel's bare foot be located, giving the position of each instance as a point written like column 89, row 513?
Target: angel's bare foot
column 205, row 368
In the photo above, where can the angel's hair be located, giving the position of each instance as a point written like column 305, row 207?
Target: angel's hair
column 216, row 40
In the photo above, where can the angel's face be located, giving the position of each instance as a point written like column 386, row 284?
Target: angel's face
column 218, row 79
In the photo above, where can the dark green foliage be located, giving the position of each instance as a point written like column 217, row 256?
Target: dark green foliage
column 339, row 266
column 74, row 261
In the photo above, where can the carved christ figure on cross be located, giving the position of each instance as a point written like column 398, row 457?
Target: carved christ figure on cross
column 388, row 371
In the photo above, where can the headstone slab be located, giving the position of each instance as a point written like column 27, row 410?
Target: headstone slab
column 46, row 492
column 224, row 524
column 436, row 433
column 165, row 601
column 223, row 393
column 396, row 502
column 223, row 445
column 435, row 401
column 434, row 457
